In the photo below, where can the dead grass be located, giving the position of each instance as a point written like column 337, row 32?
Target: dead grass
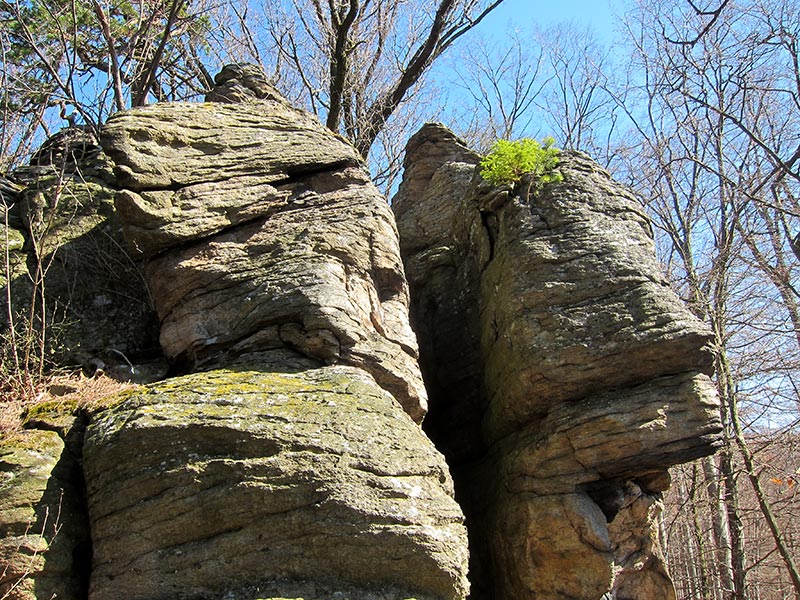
column 63, row 391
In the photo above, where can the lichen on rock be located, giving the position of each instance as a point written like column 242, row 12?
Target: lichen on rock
column 261, row 230
column 206, row 481
column 44, row 546
column 283, row 458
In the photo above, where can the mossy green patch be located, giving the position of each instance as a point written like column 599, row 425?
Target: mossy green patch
column 509, row 161
column 49, row 409
column 30, row 441
column 305, row 399
column 227, row 383
column 12, row 238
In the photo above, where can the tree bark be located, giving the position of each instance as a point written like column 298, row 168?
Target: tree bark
column 719, row 524
column 339, row 60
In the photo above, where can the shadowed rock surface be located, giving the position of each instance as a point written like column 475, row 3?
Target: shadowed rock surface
column 577, row 374
column 69, row 241
column 44, row 536
column 444, row 305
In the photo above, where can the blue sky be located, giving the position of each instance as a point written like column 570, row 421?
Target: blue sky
column 599, row 14
column 528, row 17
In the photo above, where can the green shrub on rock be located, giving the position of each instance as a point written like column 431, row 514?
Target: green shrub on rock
column 509, row 161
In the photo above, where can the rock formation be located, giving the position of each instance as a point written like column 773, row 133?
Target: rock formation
column 242, row 82
column 261, row 230
column 291, row 462
column 271, row 258
column 283, row 456
column 44, row 534
column 246, row 476
column 573, row 375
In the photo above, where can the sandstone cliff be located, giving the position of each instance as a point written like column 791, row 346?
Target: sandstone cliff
column 283, row 457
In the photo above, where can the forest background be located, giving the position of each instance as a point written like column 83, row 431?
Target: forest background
column 695, row 104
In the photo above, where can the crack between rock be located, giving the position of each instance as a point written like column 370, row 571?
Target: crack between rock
column 491, row 236
column 293, row 177
column 575, row 455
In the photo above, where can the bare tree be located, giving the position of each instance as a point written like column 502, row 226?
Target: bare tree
column 501, row 82
column 550, row 81
column 355, row 62
column 580, row 110
column 719, row 131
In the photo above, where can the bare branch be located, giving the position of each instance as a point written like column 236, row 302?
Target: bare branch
column 714, row 14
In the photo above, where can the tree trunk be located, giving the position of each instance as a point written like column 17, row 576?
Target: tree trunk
column 719, row 524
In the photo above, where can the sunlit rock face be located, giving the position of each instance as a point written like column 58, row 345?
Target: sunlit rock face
column 261, row 230
column 574, row 376
column 288, row 460
column 282, row 455
column 262, row 476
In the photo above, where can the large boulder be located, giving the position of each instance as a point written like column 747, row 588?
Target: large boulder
column 217, row 484
column 169, row 146
column 572, row 299
column 289, row 462
column 261, row 230
column 578, row 374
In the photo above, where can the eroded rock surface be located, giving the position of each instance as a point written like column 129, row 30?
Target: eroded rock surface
column 290, row 462
column 241, row 82
column 261, row 230
column 206, row 484
column 565, row 377
column 444, row 303
column 578, row 375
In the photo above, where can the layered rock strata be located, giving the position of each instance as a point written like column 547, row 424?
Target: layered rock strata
column 284, row 458
column 44, row 537
column 69, row 271
column 578, row 376
column 246, row 478
column 291, row 460
column 261, row 230
column 242, row 82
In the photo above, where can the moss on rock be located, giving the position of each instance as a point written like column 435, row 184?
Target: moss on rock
column 278, row 472
column 42, row 528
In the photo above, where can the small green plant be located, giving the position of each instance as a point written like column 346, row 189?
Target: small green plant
column 509, row 161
